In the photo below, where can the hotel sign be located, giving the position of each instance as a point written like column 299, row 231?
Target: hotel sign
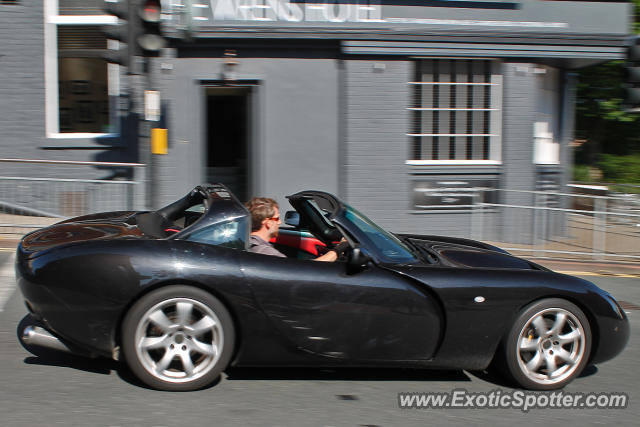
column 198, row 15
column 287, row 11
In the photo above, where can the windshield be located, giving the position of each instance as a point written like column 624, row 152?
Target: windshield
column 390, row 247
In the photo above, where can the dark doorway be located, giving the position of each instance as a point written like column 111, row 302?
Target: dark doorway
column 228, row 138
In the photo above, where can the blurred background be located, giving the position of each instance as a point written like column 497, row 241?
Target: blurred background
column 512, row 122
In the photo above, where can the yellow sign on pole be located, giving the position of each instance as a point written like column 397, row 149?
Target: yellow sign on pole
column 159, row 141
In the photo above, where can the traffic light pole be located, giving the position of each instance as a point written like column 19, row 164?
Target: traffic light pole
column 140, row 36
column 137, row 83
column 151, row 41
column 140, row 83
column 151, row 161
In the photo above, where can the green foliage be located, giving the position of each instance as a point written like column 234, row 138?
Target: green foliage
column 620, row 169
column 581, row 173
column 600, row 92
column 600, row 117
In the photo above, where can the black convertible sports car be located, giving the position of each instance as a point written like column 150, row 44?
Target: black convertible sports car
column 176, row 294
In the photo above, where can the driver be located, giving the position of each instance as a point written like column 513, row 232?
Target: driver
column 265, row 223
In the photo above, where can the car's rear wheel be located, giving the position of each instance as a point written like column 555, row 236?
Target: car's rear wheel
column 177, row 338
column 548, row 345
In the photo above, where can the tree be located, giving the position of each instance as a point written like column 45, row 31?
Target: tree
column 601, row 120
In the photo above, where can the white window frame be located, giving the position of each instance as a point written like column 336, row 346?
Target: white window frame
column 495, row 120
column 51, row 95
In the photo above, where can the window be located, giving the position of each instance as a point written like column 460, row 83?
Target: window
column 456, row 112
column 81, row 7
column 81, row 87
column 83, row 97
column 231, row 234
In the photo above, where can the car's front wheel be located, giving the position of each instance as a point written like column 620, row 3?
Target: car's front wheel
column 177, row 338
column 548, row 345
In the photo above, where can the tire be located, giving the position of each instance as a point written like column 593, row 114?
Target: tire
column 548, row 345
column 177, row 338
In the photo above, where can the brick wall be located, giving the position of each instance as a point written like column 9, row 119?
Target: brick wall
column 22, row 82
column 378, row 181
column 375, row 145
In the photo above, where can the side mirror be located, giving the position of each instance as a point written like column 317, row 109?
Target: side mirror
column 358, row 260
column 292, row 218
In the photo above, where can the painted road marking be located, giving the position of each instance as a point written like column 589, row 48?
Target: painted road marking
column 7, row 281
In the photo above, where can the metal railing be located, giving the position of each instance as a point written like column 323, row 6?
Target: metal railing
column 28, row 202
column 560, row 225
column 531, row 223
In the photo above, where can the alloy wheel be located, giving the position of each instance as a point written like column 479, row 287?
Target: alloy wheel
column 179, row 340
column 551, row 346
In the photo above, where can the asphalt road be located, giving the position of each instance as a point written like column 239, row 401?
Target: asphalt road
column 58, row 389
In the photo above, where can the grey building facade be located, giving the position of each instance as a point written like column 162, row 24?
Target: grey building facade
column 410, row 111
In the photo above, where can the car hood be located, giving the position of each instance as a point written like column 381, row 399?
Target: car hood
column 108, row 225
column 454, row 252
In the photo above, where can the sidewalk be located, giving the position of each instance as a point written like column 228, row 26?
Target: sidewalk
column 7, row 280
column 8, row 245
column 585, row 268
column 13, row 227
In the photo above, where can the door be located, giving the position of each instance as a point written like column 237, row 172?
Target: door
column 227, row 138
column 374, row 315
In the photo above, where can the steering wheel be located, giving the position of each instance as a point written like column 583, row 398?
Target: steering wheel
column 341, row 249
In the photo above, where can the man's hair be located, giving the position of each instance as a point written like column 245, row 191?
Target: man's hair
column 261, row 208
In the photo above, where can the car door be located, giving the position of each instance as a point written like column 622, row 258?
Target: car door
column 371, row 315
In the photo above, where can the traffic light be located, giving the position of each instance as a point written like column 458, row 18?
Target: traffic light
column 124, row 32
column 150, row 38
column 632, row 71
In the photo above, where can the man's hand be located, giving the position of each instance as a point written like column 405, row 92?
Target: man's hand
column 335, row 252
column 341, row 247
column 329, row 256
